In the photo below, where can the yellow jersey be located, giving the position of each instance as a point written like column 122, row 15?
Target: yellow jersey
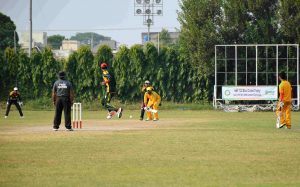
column 152, row 98
column 285, row 91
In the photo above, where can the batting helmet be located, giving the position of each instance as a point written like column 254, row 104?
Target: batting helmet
column 149, row 89
column 103, row 66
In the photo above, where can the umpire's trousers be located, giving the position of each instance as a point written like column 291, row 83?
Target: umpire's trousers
column 62, row 104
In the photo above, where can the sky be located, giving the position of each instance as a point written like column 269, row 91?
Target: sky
column 112, row 18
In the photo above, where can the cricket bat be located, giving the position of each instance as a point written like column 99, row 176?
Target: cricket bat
column 150, row 109
column 278, row 118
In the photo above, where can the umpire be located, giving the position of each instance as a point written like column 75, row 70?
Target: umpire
column 62, row 96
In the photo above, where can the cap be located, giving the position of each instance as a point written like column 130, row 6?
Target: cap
column 15, row 88
column 61, row 74
column 103, row 66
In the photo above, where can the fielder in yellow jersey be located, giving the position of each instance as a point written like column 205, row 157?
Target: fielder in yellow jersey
column 153, row 102
column 285, row 102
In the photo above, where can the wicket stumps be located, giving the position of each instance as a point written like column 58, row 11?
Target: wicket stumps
column 76, row 117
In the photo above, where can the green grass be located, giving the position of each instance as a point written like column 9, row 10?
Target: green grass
column 187, row 148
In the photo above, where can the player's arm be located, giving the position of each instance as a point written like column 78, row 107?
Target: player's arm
column 146, row 98
column 72, row 95
column 54, row 94
column 281, row 93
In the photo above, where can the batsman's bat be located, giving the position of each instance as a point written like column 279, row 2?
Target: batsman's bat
column 279, row 116
column 278, row 119
column 150, row 110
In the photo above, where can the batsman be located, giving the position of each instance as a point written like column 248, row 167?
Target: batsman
column 285, row 102
column 144, row 104
column 152, row 100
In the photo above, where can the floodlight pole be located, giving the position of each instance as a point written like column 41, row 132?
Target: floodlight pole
column 158, row 42
column 148, row 9
column 15, row 41
column 148, row 32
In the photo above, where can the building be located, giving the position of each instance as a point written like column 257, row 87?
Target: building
column 111, row 43
column 72, row 45
column 67, row 48
column 39, row 40
column 174, row 36
column 61, row 54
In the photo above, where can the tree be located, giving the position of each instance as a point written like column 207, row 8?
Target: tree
column 55, row 41
column 199, row 20
column 37, row 75
column 7, row 31
column 137, row 70
column 25, row 74
column 8, row 70
column 49, row 67
column 84, row 72
column 289, row 14
column 172, row 65
column 249, row 21
column 85, row 38
column 151, row 62
column 164, row 37
column 70, row 67
column 121, row 66
column 2, row 75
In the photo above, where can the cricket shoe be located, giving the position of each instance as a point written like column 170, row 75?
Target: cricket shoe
column 54, row 129
column 69, row 129
column 155, row 119
column 5, row 116
column 119, row 113
column 282, row 125
column 109, row 116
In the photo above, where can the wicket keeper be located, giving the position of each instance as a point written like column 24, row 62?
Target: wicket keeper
column 285, row 102
column 152, row 100
column 108, row 84
column 62, row 97
column 14, row 98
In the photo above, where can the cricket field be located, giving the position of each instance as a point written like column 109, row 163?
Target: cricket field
column 184, row 148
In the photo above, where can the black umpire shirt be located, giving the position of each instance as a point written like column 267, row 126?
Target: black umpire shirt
column 62, row 88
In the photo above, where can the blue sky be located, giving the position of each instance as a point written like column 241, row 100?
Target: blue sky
column 66, row 17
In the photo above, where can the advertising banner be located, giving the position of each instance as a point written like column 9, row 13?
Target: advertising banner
column 249, row 93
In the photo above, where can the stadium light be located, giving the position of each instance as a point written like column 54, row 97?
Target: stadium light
column 148, row 9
